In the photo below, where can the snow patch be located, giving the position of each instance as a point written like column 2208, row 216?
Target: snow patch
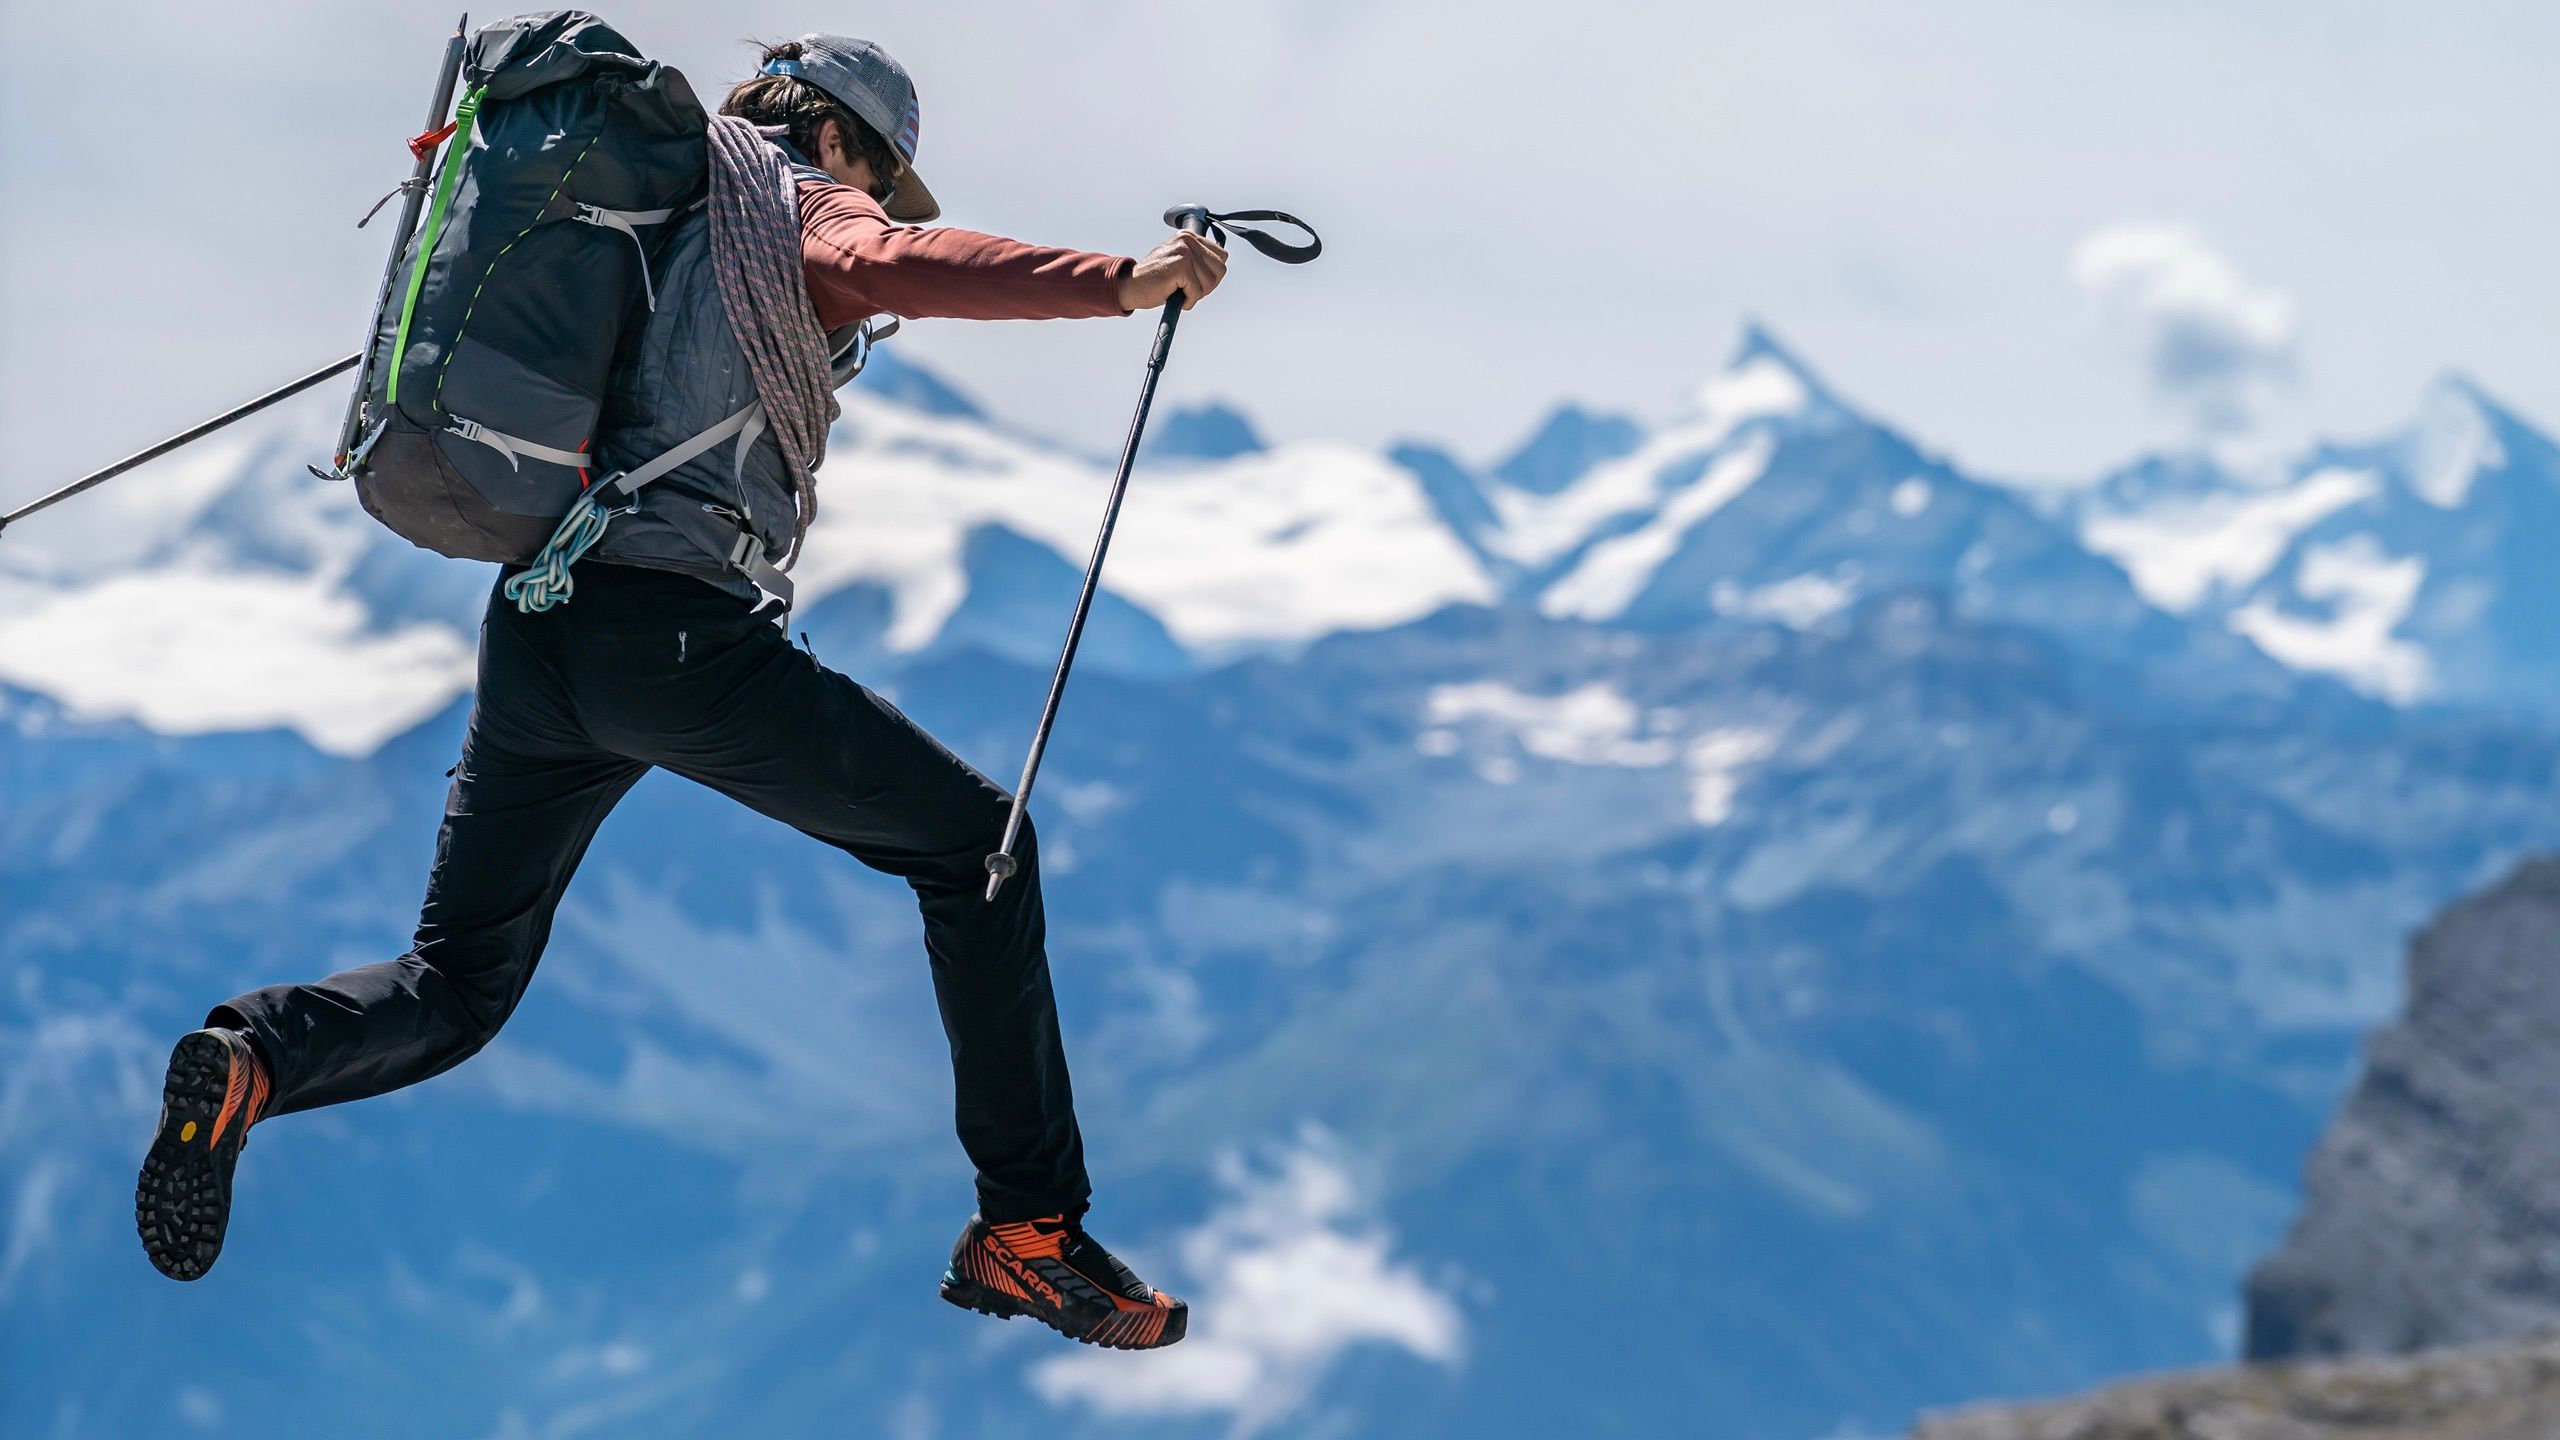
column 1537, row 529
column 1609, row 577
column 188, row 653
column 2368, row 594
column 1287, row 1275
column 1716, row 762
column 2453, row 443
column 2179, row 551
column 1799, row 603
column 1757, row 389
column 1278, row 546
column 1593, row 725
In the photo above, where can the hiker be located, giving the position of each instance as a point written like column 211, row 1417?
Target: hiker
column 665, row 658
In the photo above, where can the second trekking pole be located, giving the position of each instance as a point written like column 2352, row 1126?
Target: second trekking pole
column 1199, row 221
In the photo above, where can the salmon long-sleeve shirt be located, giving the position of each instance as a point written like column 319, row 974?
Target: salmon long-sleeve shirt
column 859, row 265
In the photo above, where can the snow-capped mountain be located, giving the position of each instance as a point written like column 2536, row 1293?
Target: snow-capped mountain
column 1766, row 497
column 2415, row 568
column 1730, row 918
column 237, row 590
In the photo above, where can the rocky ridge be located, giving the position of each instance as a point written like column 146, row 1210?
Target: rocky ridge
column 2495, row 1392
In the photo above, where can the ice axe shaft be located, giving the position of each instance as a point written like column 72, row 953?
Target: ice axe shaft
column 184, row 437
column 1199, row 221
column 413, row 193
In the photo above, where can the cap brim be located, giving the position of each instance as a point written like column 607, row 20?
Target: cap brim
column 911, row 203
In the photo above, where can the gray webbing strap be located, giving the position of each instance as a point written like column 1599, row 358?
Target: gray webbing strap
column 623, row 220
column 733, row 545
column 629, row 483
column 513, row 447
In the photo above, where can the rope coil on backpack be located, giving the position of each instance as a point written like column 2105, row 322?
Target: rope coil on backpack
column 547, row 583
column 755, row 250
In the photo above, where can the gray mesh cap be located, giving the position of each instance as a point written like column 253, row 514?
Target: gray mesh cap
column 878, row 89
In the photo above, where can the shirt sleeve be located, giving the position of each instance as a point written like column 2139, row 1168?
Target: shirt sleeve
column 859, row 265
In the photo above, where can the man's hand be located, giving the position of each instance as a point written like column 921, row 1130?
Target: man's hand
column 1192, row 264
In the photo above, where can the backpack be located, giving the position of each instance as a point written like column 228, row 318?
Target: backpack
column 490, row 359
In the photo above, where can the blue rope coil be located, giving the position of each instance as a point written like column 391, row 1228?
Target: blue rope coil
column 547, row 583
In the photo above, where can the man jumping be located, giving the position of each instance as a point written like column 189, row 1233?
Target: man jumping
column 662, row 662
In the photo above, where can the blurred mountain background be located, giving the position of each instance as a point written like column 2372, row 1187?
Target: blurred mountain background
column 1724, row 923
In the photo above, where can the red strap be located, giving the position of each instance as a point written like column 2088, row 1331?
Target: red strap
column 425, row 145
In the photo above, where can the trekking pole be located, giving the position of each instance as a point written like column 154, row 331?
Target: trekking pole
column 184, row 437
column 1199, row 221
column 423, row 146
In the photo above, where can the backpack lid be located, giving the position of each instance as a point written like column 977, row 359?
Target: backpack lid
column 524, row 53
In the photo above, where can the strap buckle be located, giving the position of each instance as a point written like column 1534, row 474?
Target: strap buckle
column 610, row 496
column 625, row 221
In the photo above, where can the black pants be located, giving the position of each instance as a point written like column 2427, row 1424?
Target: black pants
column 643, row 668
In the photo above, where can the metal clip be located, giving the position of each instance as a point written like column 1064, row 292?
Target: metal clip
column 403, row 188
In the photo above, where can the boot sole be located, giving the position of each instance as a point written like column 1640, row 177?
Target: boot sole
column 182, row 1199
column 1112, row 1330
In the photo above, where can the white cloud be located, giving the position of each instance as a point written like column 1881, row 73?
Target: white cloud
column 1288, row 1273
column 187, row 652
column 2213, row 340
column 200, row 1407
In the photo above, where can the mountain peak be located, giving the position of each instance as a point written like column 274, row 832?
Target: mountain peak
column 1568, row 443
column 2459, row 434
column 1760, row 347
column 1763, row 380
column 909, row 383
column 1214, row 431
column 1759, row 342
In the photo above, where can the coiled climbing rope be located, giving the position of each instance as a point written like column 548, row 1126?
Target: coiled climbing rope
column 755, row 251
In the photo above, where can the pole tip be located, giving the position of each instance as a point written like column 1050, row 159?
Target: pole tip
column 999, row 870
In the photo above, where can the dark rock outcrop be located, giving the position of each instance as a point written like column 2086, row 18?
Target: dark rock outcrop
column 2497, row 1392
column 2431, row 1210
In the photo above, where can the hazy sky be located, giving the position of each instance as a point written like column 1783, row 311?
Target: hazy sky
column 2032, row 233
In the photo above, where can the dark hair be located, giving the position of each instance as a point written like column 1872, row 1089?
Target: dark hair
column 803, row 110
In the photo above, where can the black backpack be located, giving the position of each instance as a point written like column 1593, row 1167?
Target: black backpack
column 570, row 155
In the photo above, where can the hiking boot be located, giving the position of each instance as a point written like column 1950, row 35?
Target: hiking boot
column 182, row 1203
column 1050, row 1270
